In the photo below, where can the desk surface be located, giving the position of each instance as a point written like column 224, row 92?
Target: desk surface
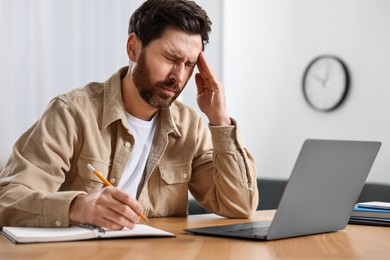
column 354, row 242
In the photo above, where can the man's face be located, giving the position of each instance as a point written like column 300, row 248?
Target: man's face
column 165, row 65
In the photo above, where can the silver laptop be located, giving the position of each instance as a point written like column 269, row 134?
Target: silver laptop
column 323, row 188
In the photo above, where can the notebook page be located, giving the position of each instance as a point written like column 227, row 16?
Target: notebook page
column 140, row 230
column 38, row 234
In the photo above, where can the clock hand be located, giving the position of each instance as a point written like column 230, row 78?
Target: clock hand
column 327, row 71
column 318, row 78
column 324, row 82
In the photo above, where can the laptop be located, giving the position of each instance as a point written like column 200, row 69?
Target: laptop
column 321, row 192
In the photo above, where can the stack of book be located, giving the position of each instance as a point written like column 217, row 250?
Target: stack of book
column 371, row 213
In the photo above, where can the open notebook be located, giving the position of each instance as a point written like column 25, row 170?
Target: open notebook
column 73, row 233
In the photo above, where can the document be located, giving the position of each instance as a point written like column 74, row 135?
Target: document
column 74, row 233
column 366, row 212
column 375, row 205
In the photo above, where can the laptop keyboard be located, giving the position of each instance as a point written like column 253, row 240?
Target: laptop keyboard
column 258, row 231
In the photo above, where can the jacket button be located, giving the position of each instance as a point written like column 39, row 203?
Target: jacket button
column 185, row 175
column 58, row 223
column 127, row 144
column 112, row 180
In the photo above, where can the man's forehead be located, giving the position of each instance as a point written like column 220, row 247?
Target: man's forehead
column 179, row 43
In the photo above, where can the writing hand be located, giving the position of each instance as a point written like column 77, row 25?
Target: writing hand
column 211, row 96
column 110, row 208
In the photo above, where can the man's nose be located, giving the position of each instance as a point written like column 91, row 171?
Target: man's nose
column 177, row 73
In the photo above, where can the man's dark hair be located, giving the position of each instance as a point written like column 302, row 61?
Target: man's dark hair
column 149, row 21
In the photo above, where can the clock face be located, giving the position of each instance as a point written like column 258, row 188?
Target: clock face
column 325, row 83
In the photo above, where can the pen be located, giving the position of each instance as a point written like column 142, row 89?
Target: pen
column 107, row 183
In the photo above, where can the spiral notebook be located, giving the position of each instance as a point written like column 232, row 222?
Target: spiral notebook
column 75, row 233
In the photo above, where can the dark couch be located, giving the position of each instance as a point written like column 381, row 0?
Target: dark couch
column 270, row 192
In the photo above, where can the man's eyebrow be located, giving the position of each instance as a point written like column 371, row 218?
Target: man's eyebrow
column 177, row 57
column 174, row 56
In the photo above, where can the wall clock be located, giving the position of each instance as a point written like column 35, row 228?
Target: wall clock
column 325, row 83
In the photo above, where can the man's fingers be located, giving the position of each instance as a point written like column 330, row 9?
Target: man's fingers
column 203, row 67
column 124, row 199
column 122, row 213
column 111, row 208
column 199, row 83
column 209, row 79
column 117, row 220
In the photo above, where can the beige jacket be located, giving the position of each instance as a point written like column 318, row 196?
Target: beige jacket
column 48, row 166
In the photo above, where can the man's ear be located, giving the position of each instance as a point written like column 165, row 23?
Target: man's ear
column 133, row 46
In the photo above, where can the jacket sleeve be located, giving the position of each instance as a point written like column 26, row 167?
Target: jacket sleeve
column 224, row 174
column 31, row 180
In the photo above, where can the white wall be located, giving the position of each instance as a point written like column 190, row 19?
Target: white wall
column 48, row 47
column 268, row 44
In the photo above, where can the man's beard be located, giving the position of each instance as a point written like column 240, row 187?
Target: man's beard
column 151, row 92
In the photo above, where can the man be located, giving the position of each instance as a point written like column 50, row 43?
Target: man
column 150, row 147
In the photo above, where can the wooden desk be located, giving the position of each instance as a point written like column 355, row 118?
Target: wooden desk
column 354, row 242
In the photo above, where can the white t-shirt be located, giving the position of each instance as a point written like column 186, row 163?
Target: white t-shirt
column 143, row 132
